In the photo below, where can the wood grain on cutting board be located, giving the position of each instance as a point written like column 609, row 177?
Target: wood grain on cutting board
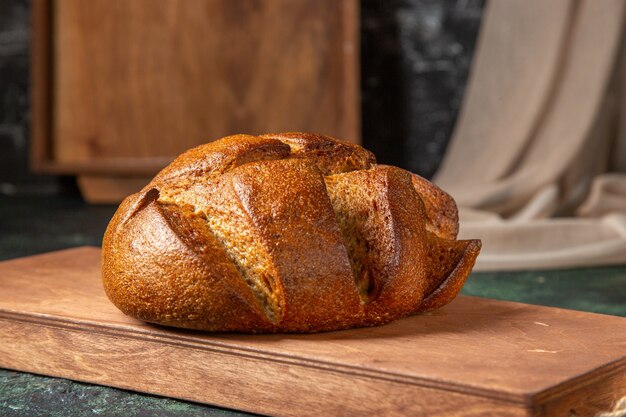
column 474, row 356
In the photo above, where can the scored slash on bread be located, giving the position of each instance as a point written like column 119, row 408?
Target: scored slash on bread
column 291, row 232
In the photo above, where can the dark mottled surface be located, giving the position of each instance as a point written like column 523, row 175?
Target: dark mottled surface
column 416, row 56
column 30, row 225
column 597, row 290
column 15, row 177
column 27, row 395
column 35, row 224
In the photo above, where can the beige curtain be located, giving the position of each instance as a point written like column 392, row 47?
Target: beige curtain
column 542, row 124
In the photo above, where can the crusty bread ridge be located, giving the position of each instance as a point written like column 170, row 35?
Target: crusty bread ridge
column 290, row 232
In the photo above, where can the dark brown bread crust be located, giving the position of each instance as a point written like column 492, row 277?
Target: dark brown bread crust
column 289, row 232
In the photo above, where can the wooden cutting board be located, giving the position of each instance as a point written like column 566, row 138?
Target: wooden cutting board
column 473, row 357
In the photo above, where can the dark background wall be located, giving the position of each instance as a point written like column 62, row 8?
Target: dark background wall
column 416, row 56
column 415, row 60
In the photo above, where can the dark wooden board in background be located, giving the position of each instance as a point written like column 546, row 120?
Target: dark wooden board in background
column 121, row 88
column 473, row 357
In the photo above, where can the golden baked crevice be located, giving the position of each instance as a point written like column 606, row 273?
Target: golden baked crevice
column 288, row 232
column 228, row 220
column 246, row 257
column 353, row 210
column 292, row 218
column 184, row 279
column 441, row 211
column 224, row 218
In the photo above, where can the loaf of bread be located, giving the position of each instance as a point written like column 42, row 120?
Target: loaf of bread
column 290, row 232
